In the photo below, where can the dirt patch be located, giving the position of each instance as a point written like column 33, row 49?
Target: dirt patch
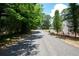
column 47, row 30
column 68, row 39
column 72, row 42
column 13, row 41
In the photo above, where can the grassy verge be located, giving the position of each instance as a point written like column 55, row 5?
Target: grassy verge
column 74, row 42
column 68, row 39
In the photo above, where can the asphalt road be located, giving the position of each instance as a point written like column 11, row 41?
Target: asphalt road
column 40, row 43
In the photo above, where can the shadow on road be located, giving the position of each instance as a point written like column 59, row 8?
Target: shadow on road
column 24, row 48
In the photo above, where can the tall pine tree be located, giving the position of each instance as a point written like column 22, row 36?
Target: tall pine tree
column 72, row 18
column 57, row 22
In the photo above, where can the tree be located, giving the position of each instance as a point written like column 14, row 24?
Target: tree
column 20, row 18
column 57, row 22
column 73, row 18
column 46, row 21
column 2, row 14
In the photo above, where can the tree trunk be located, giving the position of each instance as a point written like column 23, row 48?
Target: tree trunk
column 57, row 31
column 75, row 34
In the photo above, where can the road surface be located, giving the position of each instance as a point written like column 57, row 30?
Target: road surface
column 40, row 43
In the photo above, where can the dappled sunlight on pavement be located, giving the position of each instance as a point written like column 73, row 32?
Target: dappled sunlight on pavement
column 23, row 48
column 40, row 43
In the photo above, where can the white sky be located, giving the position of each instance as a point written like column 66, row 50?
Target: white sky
column 59, row 7
column 39, row 1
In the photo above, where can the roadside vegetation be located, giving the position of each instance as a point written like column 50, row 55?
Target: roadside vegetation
column 17, row 19
column 71, row 16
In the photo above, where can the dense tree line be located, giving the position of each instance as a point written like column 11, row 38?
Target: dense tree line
column 46, row 21
column 71, row 15
column 19, row 18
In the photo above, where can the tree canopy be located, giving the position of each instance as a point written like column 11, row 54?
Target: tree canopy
column 20, row 17
column 72, row 17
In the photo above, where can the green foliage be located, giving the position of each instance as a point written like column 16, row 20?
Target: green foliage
column 57, row 22
column 46, row 21
column 72, row 18
column 19, row 18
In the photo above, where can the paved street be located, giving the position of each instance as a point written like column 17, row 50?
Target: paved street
column 40, row 43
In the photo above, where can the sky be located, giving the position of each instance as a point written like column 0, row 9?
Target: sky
column 49, row 8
